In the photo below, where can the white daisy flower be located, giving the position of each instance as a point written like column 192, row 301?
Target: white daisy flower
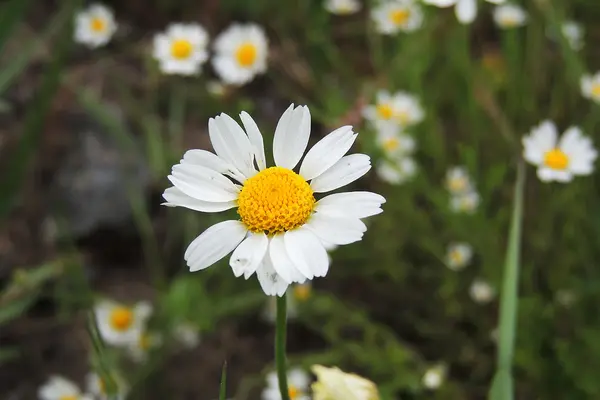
column 396, row 172
column 458, row 255
column 559, row 160
column 389, row 110
column 434, row 377
column 335, row 384
column 466, row 10
column 394, row 143
column 573, row 32
column 282, row 226
column 458, row 180
column 467, row 202
column 120, row 324
column 241, row 53
column 393, row 16
column 187, row 334
column 590, row 87
column 144, row 343
column 510, row 16
column 181, row 49
column 96, row 386
column 342, row 7
column 298, row 382
column 59, row 388
column 95, row 26
column 481, row 291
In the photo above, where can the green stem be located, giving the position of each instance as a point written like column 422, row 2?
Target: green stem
column 280, row 347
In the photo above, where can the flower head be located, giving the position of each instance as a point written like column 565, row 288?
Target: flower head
column 120, row 324
column 187, row 334
column 335, row 384
column 99, row 388
column 590, row 87
column 458, row 255
column 95, row 26
column 181, row 49
column 392, row 110
column 396, row 171
column 573, row 32
column 434, row 377
column 144, row 343
column 282, row 226
column 466, row 10
column 394, row 143
column 466, row 202
column 481, row 291
column 458, row 181
column 298, row 382
column 59, row 388
column 510, row 16
column 241, row 53
column 342, row 7
column 395, row 16
column 559, row 160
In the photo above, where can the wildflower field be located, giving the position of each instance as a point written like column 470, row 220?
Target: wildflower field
column 303, row 199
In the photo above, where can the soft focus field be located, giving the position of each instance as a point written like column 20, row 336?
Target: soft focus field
column 88, row 137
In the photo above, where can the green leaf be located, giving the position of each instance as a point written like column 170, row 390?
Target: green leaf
column 15, row 308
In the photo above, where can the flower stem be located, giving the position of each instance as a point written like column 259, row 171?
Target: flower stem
column 280, row 347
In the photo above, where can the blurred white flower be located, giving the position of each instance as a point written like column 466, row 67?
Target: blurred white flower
column 393, row 16
column 394, row 143
column 573, row 32
column 59, row 388
column 144, row 343
column 510, row 16
column 467, row 202
column 342, row 7
column 458, row 180
column 181, row 49
column 240, row 53
column 216, row 88
column 187, row 334
column 397, row 171
column 297, row 380
column 590, row 87
column 559, row 160
column 96, row 386
column 481, row 291
column 434, row 377
column 466, row 10
column 335, row 384
column 458, row 255
column 400, row 108
column 120, row 324
column 95, row 26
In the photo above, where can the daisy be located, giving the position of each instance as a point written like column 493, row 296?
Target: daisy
column 59, row 388
column 120, row 324
column 396, row 172
column 434, row 377
column 187, row 334
column 394, row 143
column 466, row 10
column 95, row 26
column 281, row 226
column 96, row 386
column 393, row 16
column 510, row 16
column 559, row 160
column 481, row 291
column 400, row 108
column 335, row 384
column 458, row 256
column 573, row 32
column 590, row 87
column 298, row 382
column 342, row 7
column 181, row 49
column 465, row 202
column 143, row 344
column 458, row 180
column 241, row 53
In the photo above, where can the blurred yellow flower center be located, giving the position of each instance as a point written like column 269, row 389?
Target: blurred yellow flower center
column 391, row 144
column 596, row 90
column 302, row 292
column 457, row 184
column 101, row 385
column 275, row 200
column 456, row 256
column 400, row 16
column 403, row 117
column 556, row 159
column 98, row 24
column 181, row 49
column 293, row 392
column 68, row 397
column 508, row 21
column 121, row 318
column 246, row 54
column 384, row 111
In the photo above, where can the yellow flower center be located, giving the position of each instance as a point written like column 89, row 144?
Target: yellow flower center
column 596, row 90
column 97, row 24
column 391, row 144
column 302, row 292
column 293, row 392
column 246, row 54
column 101, row 385
column 457, row 184
column 384, row 111
column 456, row 256
column 403, row 117
column 121, row 318
column 509, row 21
column 399, row 16
column 181, row 49
column 275, row 200
column 556, row 159
column 68, row 397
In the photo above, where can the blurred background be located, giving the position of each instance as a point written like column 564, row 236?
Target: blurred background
column 88, row 136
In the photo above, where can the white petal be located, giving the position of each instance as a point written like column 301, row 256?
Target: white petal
column 229, row 145
column 282, row 263
column 203, row 183
column 336, row 230
column 351, row 204
column 214, row 243
column 345, row 171
column 545, row 174
column 256, row 139
column 306, row 252
column 291, row 136
column 249, row 255
column 466, row 11
column 327, row 152
column 212, row 161
column 270, row 282
column 176, row 198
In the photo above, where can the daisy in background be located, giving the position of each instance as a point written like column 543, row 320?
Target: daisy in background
column 397, row 171
column 434, row 377
column 95, row 26
column 342, row 7
column 298, row 385
column 466, row 202
column 393, row 16
column 394, row 143
column 466, row 10
column 573, row 32
column 282, row 227
column 144, row 343
column 120, row 324
column 458, row 180
column 335, row 384
column 481, row 292
column 508, row 16
column 458, row 255
column 187, row 334
column 590, row 87
column 99, row 388
column 59, row 388
column 559, row 160
column 181, row 49
column 400, row 108
column 240, row 53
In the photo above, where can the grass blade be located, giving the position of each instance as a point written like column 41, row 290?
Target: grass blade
column 223, row 386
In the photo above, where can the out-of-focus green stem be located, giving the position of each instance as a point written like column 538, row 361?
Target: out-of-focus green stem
column 280, row 347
